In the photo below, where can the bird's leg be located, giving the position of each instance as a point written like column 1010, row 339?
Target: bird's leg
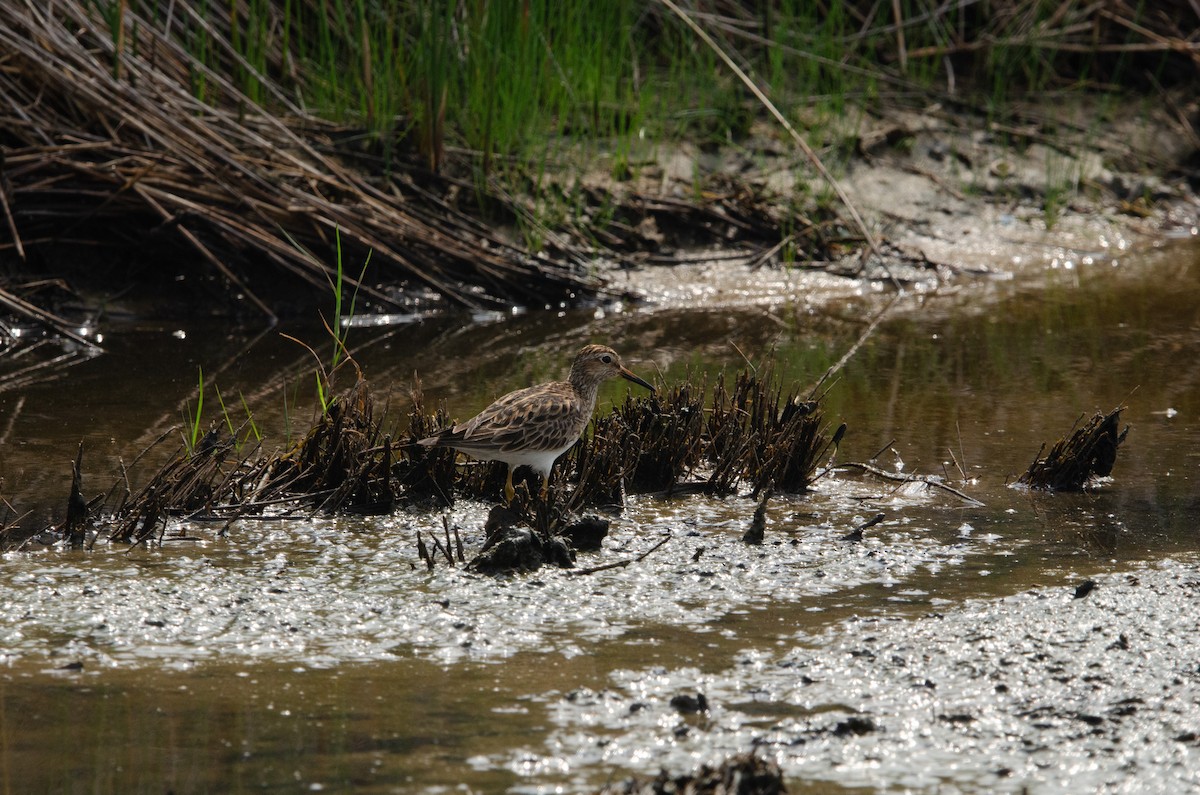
column 545, row 486
column 509, row 492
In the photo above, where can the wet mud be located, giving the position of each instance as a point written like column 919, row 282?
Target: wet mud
column 1041, row 691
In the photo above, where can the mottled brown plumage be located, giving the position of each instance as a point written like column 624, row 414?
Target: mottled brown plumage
column 534, row 426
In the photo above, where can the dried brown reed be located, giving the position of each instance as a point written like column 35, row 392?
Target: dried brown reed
column 647, row 444
column 347, row 463
column 1075, row 461
column 760, row 436
column 106, row 143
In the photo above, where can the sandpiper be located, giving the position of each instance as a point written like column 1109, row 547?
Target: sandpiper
column 534, row 426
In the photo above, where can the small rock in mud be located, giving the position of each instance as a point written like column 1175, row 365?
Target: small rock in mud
column 586, row 534
column 854, row 725
column 744, row 774
column 1084, row 588
column 521, row 549
column 501, row 517
column 957, row 718
column 689, row 704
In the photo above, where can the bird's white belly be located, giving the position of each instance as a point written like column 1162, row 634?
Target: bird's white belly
column 540, row 461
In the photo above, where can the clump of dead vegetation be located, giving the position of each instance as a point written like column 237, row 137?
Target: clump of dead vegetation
column 650, row 443
column 762, row 437
column 190, row 134
column 750, row 435
column 1076, row 461
column 679, row 439
column 346, row 463
column 109, row 138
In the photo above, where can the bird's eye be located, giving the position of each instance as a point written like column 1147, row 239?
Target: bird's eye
column 606, row 359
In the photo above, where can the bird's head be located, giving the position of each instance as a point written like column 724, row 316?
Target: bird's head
column 597, row 363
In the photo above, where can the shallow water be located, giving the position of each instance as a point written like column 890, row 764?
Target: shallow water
column 945, row 652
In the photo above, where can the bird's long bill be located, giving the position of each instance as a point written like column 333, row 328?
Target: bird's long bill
column 630, row 376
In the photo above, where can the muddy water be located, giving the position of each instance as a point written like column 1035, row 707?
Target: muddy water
column 944, row 652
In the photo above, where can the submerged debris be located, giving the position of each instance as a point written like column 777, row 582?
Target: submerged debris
column 758, row 524
column 1088, row 453
column 745, row 774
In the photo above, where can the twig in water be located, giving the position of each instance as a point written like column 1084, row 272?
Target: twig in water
column 962, row 465
column 834, row 442
column 437, row 547
column 619, row 564
column 423, row 551
column 883, row 449
column 449, row 548
column 962, row 475
column 12, row 420
column 876, row 471
column 857, row 533
column 840, row 363
column 758, row 524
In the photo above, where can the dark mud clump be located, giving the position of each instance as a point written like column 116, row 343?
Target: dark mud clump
column 745, row 774
column 513, row 548
column 1088, row 453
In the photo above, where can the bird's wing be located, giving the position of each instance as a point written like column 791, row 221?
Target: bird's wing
column 531, row 419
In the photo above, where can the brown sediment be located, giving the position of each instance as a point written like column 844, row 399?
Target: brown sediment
column 1075, row 461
